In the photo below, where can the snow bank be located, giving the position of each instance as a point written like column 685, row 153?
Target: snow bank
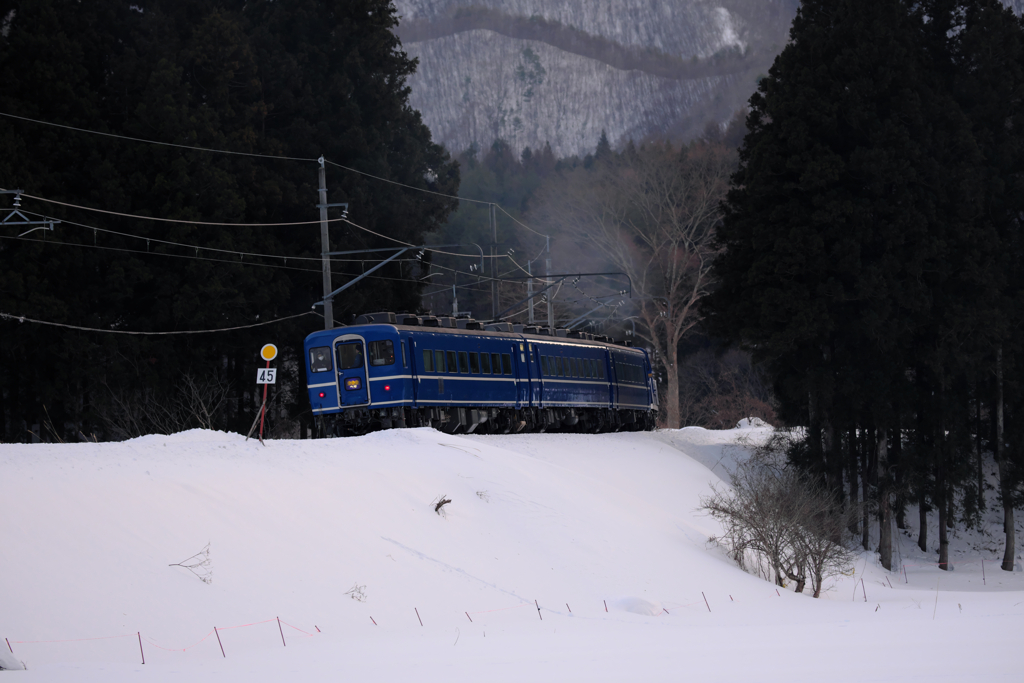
column 339, row 539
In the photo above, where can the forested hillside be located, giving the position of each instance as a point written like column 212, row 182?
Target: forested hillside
column 272, row 86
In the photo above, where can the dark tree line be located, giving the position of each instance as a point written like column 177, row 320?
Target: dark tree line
column 290, row 78
column 873, row 247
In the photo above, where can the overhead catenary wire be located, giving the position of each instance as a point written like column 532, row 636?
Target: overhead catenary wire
column 24, row 319
column 155, row 142
column 271, row 156
column 199, row 258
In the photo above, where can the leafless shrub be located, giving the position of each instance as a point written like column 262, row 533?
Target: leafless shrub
column 357, row 592
column 439, row 504
column 199, row 564
column 782, row 522
column 196, row 402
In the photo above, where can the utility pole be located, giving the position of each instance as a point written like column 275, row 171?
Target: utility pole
column 547, row 273
column 529, row 288
column 494, row 272
column 325, row 249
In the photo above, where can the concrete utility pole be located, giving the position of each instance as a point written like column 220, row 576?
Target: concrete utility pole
column 529, row 288
column 547, row 273
column 325, row 249
column 494, row 272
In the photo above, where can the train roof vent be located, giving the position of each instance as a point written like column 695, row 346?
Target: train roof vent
column 428, row 321
column 445, row 321
column 467, row 323
column 531, row 329
column 544, row 330
column 376, row 319
column 576, row 334
column 518, row 329
column 625, row 342
column 408, row 319
column 561, row 332
column 501, row 326
column 602, row 338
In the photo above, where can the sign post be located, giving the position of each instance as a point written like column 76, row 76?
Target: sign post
column 265, row 376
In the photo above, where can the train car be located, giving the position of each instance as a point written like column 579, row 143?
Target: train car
column 460, row 376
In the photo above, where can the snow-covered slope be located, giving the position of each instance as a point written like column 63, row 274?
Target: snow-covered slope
column 339, row 539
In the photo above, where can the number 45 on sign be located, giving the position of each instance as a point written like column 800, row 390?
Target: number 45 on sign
column 266, row 376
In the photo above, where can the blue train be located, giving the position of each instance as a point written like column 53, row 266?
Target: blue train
column 461, row 376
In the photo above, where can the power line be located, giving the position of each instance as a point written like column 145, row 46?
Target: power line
column 154, row 142
column 200, row 258
column 23, row 319
column 268, row 156
column 175, row 220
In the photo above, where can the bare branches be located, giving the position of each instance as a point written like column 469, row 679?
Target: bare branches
column 199, row 564
column 775, row 517
column 439, row 504
column 196, row 403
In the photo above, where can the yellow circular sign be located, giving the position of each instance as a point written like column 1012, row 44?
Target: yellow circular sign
column 268, row 352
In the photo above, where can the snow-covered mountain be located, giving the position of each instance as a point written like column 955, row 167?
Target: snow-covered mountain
column 537, row 71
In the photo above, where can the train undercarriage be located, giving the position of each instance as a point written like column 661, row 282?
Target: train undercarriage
column 468, row 420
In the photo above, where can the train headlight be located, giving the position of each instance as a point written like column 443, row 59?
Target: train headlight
column 353, row 383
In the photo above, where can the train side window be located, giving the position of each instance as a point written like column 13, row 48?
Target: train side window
column 439, row 360
column 496, row 364
column 474, row 362
column 485, row 363
column 320, row 359
column 428, row 360
column 546, row 365
column 506, row 363
column 587, row 368
column 575, row 367
column 600, row 370
column 453, row 362
column 382, row 352
column 405, row 363
column 463, row 362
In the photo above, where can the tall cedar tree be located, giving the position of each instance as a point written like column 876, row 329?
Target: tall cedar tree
column 858, row 255
column 295, row 78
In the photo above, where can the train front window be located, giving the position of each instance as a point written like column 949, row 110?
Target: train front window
column 382, row 352
column 320, row 359
column 350, row 356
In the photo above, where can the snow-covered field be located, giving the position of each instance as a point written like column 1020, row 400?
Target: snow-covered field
column 339, row 539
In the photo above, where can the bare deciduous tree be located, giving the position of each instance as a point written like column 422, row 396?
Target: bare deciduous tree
column 196, row 403
column 652, row 213
column 792, row 524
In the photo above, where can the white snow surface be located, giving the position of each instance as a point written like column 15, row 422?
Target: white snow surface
column 339, row 539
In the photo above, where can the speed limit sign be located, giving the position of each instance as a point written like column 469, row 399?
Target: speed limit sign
column 266, row 376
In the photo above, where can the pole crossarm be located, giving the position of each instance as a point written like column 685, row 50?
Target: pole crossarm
column 46, row 223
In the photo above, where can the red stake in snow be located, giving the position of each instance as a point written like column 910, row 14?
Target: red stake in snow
column 469, row 617
column 605, row 605
column 282, row 631
column 538, row 610
column 268, row 353
column 139, row 634
column 9, row 645
column 418, row 615
column 705, row 600
column 219, row 643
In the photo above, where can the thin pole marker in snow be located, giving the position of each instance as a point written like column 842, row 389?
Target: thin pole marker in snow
column 605, row 605
column 139, row 634
column 418, row 615
column 281, row 630
column 374, row 622
column 9, row 645
column 906, row 579
column 983, row 582
column 469, row 617
column 888, row 581
column 862, row 588
column 538, row 610
column 936, row 609
column 780, row 594
column 568, row 608
column 705, row 600
column 219, row 643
